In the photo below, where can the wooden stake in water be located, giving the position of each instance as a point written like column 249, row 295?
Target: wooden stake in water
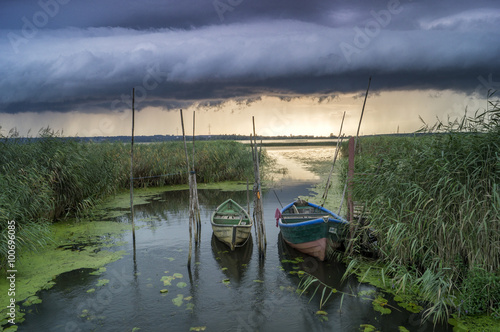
column 258, row 210
column 191, row 216
column 194, row 207
column 194, row 188
column 350, row 176
column 132, row 168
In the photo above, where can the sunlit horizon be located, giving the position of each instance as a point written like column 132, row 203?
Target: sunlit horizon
column 385, row 113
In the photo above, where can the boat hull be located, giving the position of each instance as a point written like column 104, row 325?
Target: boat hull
column 311, row 229
column 315, row 248
column 233, row 236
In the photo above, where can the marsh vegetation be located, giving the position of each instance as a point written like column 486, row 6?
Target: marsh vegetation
column 433, row 202
column 50, row 177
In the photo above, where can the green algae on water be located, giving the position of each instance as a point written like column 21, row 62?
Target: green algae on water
column 38, row 269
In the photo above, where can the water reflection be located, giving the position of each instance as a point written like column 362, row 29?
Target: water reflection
column 234, row 264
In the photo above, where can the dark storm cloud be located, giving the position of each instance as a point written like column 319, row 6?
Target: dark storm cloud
column 67, row 55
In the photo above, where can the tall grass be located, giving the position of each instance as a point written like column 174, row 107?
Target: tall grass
column 46, row 178
column 434, row 204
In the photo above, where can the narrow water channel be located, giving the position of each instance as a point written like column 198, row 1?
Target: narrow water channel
column 151, row 288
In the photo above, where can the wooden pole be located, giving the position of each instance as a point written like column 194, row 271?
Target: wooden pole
column 191, row 216
column 362, row 112
column 194, row 189
column 350, row 176
column 258, row 207
column 248, row 198
column 132, row 168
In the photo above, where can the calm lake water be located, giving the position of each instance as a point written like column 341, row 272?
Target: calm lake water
column 225, row 291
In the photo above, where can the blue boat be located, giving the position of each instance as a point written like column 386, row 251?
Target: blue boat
column 310, row 228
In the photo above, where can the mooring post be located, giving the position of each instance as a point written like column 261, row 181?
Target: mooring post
column 132, row 168
column 191, row 215
column 258, row 208
column 350, row 177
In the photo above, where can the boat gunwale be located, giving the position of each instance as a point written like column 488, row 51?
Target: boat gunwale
column 226, row 225
column 338, row 220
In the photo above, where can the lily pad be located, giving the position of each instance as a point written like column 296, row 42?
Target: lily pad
column 178, row 300
column 177, row 276
column 379, row 305
column 163, row 291
column 257, row 280
column 167, row 280
column 181, row 284
column 198, row 328
column 102, row 282
column 367, row 328
column 91, row 290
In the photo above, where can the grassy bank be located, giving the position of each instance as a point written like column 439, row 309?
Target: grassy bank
column 433, row 202
column 49, row 178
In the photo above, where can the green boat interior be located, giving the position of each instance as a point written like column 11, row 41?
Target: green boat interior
column 302, row 213
column 230, row 218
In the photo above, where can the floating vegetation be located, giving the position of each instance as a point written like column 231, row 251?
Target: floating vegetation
column 322, row 315
column 167, row 280
column 258, row 281
column 98, row 272
column 178, row 300
column 198, row 328
column 181, row 284
column 226, row 282
column 367, row 328
column 163, row 291
column 408, row 303
column 85, row 313
column 92, row 290
column 380, row 305
column 102, row 282
column 32, row 300
column 48, row 285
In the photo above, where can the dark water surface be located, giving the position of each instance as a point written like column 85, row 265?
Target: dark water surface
column 226, row 291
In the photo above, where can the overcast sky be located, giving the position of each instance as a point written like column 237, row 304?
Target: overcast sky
column 62, row 60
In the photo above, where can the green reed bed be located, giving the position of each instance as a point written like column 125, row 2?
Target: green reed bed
column 434, row 204
column 50, row 177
